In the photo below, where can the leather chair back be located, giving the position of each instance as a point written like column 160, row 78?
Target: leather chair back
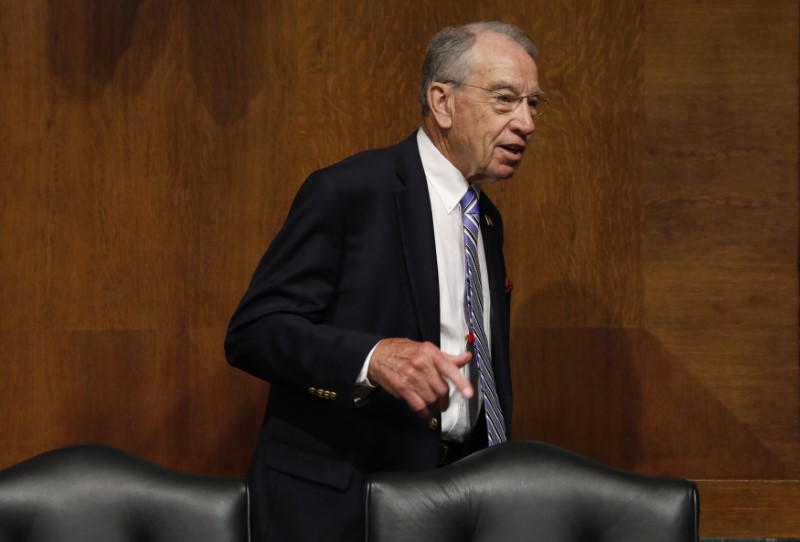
column 529, row 491
column 101, row 494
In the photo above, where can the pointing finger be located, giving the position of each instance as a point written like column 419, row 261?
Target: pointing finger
column 449, row 367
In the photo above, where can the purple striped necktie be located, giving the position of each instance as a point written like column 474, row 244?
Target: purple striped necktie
column 495, row 425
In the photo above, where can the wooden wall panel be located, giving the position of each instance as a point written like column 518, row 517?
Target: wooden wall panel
column 150, row 150
column 721, row 205
column 123, row 239
column 719, row 250
column 750, row 508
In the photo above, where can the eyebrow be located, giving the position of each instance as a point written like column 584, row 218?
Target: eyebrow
column 505, row 85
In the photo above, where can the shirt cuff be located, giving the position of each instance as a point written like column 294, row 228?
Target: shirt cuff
column 363, row 385
column 363, row 380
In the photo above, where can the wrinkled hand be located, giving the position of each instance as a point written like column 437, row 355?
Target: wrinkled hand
column 415, row 372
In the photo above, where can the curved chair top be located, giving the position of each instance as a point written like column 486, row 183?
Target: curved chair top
column 529, row 491
column 91, row 493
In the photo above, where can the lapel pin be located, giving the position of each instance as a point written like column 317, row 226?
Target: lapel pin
column 489, row 221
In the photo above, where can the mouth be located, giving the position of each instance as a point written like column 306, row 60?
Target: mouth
column 515, row 150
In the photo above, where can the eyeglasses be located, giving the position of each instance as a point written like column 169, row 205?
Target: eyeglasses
column 506, row 101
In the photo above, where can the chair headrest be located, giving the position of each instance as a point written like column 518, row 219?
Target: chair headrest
column 98, row 493
column 533, row 491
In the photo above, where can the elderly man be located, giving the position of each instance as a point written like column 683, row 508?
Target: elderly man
column 380, row 313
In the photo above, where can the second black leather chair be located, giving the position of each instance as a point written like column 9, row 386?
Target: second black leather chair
column 529, row 491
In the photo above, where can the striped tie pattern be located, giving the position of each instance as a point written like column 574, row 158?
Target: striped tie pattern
column 495, row 424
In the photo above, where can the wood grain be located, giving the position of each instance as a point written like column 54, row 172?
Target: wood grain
column 755, row 508
column 150, row 150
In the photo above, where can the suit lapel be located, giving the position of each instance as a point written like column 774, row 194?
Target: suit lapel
column 416, row 233
column 492, row 230
column 493, row 249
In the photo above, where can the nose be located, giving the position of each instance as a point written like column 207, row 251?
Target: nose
column 523, row 123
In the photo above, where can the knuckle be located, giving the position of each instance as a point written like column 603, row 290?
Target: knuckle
column 402, row 387
column 428, row 348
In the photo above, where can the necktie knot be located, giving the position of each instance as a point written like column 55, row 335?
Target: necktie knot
column 469, row 203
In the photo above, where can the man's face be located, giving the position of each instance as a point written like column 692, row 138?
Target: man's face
column 487, row 145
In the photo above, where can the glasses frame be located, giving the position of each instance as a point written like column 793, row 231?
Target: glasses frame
column 519, row 99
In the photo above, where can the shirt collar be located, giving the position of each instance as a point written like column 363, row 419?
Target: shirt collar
column 448, row 183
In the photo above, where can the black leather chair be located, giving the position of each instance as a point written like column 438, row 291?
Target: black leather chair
column 101, row 494
column 529, row 491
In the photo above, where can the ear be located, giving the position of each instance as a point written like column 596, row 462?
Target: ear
column 440, row 101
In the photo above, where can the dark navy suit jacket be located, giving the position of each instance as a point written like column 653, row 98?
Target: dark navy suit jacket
column 355, row 262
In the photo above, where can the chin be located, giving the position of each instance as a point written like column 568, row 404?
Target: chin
column 505, row 169
column 494, row 174
column 503, row 173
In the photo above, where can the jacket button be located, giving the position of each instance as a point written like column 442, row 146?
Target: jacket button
column 433, row 423
column 312, row 391
column 333, row 395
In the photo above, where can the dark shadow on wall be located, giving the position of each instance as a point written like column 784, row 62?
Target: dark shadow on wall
column 618, row 396
column 575, row 385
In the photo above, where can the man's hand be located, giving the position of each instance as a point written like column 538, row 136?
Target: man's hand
column 415, row 372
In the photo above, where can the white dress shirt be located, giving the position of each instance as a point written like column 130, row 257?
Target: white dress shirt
column 446, row 187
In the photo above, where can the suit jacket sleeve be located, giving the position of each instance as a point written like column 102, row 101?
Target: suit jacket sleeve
column 281, row 332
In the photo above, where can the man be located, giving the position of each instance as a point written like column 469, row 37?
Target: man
column 357, row 316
